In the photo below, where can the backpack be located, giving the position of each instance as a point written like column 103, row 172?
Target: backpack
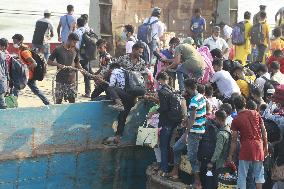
column 273, row 131
column 238, row 34
column 269, row 84
column 145, row 31
column 175, row 114
column 134, row 83
column 257, row 34
column 19, row 74
column 88, row 48
column 40, row 69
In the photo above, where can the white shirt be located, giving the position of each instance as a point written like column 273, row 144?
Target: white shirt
column 158, row 28
column 80, row 31
column 227, row 31
column 225, row 83
column 260, row 82
column 229, row 120
column 279, row 77
column 117, row 78
column 219, row 43
column 129, row 45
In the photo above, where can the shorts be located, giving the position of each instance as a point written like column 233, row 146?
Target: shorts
column 66, row 91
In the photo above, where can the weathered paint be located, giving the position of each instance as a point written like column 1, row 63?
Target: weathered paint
column 60, row 147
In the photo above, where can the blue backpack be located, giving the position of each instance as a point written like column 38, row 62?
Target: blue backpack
column 145, row 31
column 19, row 74
column 238, row 34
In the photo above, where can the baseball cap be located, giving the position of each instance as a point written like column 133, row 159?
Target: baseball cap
column 46, row 11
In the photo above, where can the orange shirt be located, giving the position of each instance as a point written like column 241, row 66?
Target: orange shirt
column 277, row 44
column 24, row 55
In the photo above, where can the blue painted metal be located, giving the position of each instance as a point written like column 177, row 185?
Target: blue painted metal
column 59, row 146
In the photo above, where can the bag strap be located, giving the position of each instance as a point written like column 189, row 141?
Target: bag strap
column 67, row 21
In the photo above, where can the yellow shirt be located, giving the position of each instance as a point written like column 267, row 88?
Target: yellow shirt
column 266, row 29
column 277, row 44
column 244, row 85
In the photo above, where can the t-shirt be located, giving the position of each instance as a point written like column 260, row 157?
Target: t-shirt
column 277, row 44
column 266, row 30
column 190, row 58
column 67, row 58
column 218, row 43
column 244, row 85
column 196, row 24
column 225, row 83
column 24, row 55
column 80, row 32
column 66, row 22
column 261, row 82
column 198, row 103
column 129, row 44
column 158, row 28
column 117, row 78
column 247, row 123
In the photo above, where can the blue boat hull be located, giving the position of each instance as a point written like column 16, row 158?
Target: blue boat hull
column 60, row 147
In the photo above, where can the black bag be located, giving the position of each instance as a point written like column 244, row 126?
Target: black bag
column 273, row 131
column 88, row 48
column 134, row 83
column 257, row 34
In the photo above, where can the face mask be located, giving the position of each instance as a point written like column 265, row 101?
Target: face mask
column 124, row 36
column 16, row 46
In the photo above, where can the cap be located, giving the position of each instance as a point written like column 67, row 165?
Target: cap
column 156, row 10
column 188, row 40
column 46, row 11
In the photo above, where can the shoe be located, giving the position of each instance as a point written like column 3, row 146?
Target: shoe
column 117, row 107
column 86, row 95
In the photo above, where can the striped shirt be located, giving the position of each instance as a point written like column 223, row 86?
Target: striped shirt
column 198, row 103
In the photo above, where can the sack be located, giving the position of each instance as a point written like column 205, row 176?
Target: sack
column 134, row 83
column 257, row 34
column 40, row 69
column 145, row 31
column 19, row 74
column 185, row 164
column 88, row 48
column 147, row 136
column 175, row 114
column 11, row 101
column 277, row 173
column 238, row 34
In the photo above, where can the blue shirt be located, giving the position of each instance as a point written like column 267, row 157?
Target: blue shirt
column 198, row 103
column 196, row 24
column 66, row 22
column 168, row 54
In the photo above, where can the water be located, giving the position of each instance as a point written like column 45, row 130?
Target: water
column 20, row 22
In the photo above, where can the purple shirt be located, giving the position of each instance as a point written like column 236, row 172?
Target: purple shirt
column 196, row 24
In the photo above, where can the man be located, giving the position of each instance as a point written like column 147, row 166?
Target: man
column 256, row 16
column 197, row 27
column 4, row 73
column 263, row 75
column 226, row 85
column 276, row 75
column 25, row 56
column 262, row 48
column 67, row 24
column 254, row 147
column 128, row 36
column 81, row 24
column 216, row 42
column 279, row 57
column 66, row 55
column 242, row 51
column 157, row 28
column 190, row 61
column 43, row 34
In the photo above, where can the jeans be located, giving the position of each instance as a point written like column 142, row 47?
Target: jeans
column 86, row 66
column 198, row 39
column 128, row 103
column 32, row 85
column 99, row 89
column 261, row 51
column 165, row 139
column 257, row 172
column 192, row 149
column 181, row 76
column 153, row 47
column 2, row 101
column 178, row 148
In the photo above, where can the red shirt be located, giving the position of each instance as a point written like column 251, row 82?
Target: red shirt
column 247, row 123
column 280, row 60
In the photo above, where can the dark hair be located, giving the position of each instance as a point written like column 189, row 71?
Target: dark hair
column 216, row 53
column 221, row 114
column 227, row 108
column 73, row 37
column 70, row 8
column 198, row 10
column 200, row 88
column 262, row 68
column 217, row 62
column 208, row 90
column 18, row 37
column 129, row 28
column 190, row 83
column 163, row 76
column 262, row 15
column 174, row 40
column 247, row 15
column 4, row 42
column 251, row 105
column 275, row 65
column 81, row 22
column 240, row 102
column 85, row 16
column 277, row 32
column 278, row 53
column 138, row 45
column 114, row 66
column 101, row 41
column 47, row 15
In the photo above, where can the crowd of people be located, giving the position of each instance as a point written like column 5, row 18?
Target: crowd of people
column 230, row 89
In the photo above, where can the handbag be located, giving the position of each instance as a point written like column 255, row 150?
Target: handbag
column 11, row 101
column 277, row 173
column 147, row 136
column 185, row 164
